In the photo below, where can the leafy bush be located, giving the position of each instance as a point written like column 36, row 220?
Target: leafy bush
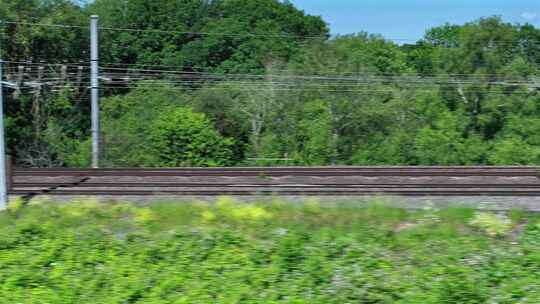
column 492, row 224
column 172, row 134
column 179, row 137
column 228, row 209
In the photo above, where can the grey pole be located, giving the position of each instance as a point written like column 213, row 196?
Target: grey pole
column 3, row 188
column 95, row 89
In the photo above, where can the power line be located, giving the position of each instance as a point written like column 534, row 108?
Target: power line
column 201, row 82
column 265, row 76
column 130, row 68
column 311, row 84
column 233, row 84
column 200, row 33
column 42, row 63
column 44, row 24
column 110, row 79
column 259, row 86
column 251, row 89
column 189, row 69
column 130, row 65
column 138, row 72
column 281, row 82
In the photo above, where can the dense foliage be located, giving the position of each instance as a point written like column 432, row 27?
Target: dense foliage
column 268, row 77
column 150, row 127
column 85, row 252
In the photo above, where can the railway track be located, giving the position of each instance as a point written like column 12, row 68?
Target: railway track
column 349, row 181
column 294, row 171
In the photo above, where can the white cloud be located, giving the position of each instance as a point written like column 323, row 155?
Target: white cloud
column 529, row 16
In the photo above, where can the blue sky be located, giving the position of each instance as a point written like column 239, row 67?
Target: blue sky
column 409, row 19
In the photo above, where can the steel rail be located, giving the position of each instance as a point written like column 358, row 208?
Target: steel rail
column 399, row 192
column 289, row 171
column 271, row 185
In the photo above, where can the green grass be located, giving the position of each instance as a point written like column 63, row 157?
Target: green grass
column 86, row 252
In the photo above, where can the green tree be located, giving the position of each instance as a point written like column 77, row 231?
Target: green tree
column 514, row 151
column 178, row 137
column 355, row 54
column 153, row 126
column 394, row 148
column 226, row 35
column 40, row 43
column 311, row 140
column 22, row 40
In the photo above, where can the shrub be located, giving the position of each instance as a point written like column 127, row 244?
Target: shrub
column 492, row 224
column 180, row 137
column 231, row 252
column 152, row 126
column 229, row 209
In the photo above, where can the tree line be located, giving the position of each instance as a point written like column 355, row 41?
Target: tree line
column 242, row 82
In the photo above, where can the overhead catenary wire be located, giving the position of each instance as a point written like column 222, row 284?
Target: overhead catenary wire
column 261, row 85
column 130, row 66
column 190, row 67
column 130, row 69
column 228, row 82
column 33, row 62
column 152, row 73
column 244, row 88
column 288, row 76
column 252, row 89
column 368, row 81
column 232, row 85
column 110, row 75
column 256, row 84
column 253, row 86
column 311, row 84
column 351, row 77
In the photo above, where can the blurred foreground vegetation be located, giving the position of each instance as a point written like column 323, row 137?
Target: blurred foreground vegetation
column 228, row 252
